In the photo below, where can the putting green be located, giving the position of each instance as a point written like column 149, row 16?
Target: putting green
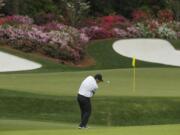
column 43, row 128
column 149, row 82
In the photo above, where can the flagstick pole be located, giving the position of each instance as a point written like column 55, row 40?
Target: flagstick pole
column 134, row 73
column 134, row 79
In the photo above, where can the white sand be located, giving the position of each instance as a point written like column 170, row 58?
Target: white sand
column 10, row 63
column 150, row 50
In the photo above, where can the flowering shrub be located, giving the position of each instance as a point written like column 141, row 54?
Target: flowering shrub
column 84, row 38
column 103, row 27
column 167, row 33
column 140, row 15
column 129, row 32
column 108, row 22
column 17, row 19
column 165, row 15
column 153, row 25
column 133, row 32
column 55, row 40
column 5, row 20
column 51, row 26
column 22, row 19
column 155, row 29
column 2, row 21
column 96, row 32
column 120, row 33
column 144, row 30
column 114, row 26
column 65, row 42
column 174, row 25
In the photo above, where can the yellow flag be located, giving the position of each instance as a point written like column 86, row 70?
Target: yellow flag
column 134, row 61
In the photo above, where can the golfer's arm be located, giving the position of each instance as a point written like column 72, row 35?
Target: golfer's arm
column 93, row 92
column 94, row 89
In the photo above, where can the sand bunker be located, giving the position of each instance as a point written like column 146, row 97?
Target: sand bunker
column 150, row 50
column 10, row 63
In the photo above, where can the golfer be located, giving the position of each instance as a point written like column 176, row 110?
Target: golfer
column 86, row 91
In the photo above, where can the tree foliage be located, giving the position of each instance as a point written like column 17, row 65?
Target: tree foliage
column 73, row 11
column 175, row 6
column 125, row 7
column 29, row 7
column 2, row 4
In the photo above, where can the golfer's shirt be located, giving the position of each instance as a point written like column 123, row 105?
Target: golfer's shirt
column 88, row 87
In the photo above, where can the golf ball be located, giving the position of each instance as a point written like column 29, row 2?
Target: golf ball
column 108, row 82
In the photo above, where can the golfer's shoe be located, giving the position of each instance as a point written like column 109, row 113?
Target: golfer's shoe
column 82, row 127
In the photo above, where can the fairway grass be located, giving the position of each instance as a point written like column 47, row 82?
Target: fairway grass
column 14, row 125
column 40, row 128
column 152, row 82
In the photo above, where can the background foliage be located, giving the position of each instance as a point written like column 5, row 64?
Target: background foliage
column 97, row 7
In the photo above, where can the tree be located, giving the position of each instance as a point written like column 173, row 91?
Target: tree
column 2, row 4
column 74, row 11
column 29, row 7
column 12, row 7
column 175, row 6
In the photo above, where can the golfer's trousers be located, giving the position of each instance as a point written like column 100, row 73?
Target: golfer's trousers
column 85, row 107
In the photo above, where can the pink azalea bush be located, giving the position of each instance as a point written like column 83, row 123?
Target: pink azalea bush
column 96, row 32
column 68, row 43
column 108, row 22
column 142, row 25
column 156, row 29
column 120, row 33
column 54, row 39
column 165, row 15
column 140, row 15
column 103, row 27
column 5, row 20
column 17, row 19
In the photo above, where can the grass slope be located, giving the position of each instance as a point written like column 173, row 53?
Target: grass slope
column 109, row 111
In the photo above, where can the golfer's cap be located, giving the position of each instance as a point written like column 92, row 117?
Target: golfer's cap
column 98, row 77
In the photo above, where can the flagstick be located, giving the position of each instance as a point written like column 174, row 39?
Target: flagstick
column 134, row 79
column 134, row 73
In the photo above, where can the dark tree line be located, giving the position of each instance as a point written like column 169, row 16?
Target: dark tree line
column 97, row 7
